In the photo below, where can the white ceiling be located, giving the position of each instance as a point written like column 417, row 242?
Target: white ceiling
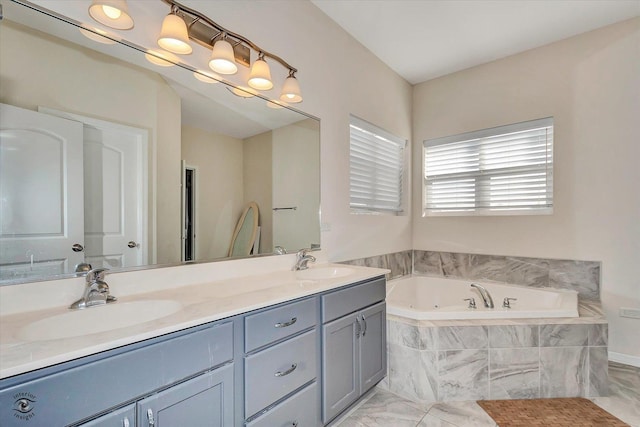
column 424, row 39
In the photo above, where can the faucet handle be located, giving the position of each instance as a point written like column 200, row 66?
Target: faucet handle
column 506, row 303
column 472, row 302
column 97, row 274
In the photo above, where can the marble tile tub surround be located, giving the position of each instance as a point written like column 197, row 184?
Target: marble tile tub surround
column 581, row 276
column 429, row 363
column 400, row 263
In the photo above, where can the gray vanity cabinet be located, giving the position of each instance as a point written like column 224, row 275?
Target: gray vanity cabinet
column 281, row 365
column 206, row 400
column 354, row 356
column 123, row 417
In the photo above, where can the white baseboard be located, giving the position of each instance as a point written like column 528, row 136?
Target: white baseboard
column 626, row 359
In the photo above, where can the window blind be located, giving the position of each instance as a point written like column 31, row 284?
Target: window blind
column 492, row 171
column 376, row 163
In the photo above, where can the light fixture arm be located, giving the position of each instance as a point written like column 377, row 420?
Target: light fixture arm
column 195, row 16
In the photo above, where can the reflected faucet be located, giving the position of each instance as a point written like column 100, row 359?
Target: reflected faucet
column 96, row 291
column 484, row 293
column 302, row 258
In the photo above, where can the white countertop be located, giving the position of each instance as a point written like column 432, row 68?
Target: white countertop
column 201, row 303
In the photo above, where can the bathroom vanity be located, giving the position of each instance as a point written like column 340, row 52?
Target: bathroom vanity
column 298, row 362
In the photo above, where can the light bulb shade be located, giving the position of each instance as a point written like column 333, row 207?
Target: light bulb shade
column 291, row 90
column 205, row 77
column 174, row 36
column 112, row 13
column 222, row 59
column 97, row 35
column 260, row 77
column 162, row 59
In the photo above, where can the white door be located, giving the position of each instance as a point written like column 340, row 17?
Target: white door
column 41, row 194
column 115, row 192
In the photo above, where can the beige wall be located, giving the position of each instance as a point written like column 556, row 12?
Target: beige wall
column 590, row 84
column 296, row 167
column 219, row 202
column 56, row 74
column 338, row 76
column 258, row 183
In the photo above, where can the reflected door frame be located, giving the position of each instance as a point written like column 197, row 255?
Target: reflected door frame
column 189, row 200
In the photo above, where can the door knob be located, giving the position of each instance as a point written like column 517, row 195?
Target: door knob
column 77, row 247
column 132, row 244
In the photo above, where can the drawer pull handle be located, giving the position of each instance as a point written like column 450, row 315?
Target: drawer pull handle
column 364, row 326
column 152, row 421
column 285, row 324
column 125, row 422
column 287, row 372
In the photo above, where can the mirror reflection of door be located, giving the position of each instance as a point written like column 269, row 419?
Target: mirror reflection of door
column 188, row 212
column 115, row 181
column 40, row 171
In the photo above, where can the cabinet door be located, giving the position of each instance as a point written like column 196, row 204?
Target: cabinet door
column 123, row 417
column 340, row 356
column 373, row 346
column 206, row 400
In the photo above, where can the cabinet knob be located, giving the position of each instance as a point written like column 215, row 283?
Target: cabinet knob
column 294, row 424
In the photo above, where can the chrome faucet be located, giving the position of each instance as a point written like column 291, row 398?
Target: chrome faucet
column 486, row 296
column 96, row 292
column 302, row 258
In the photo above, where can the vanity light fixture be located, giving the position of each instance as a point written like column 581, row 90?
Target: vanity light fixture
column 112, row 13
column 229, row 49
column 174, row 36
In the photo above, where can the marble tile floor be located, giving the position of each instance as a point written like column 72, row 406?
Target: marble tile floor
column 384, row 409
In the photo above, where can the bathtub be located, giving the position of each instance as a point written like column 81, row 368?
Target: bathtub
column 435, row 298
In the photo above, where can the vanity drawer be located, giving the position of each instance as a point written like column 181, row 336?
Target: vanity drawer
column 301, row 410
column 340, row 303
column 272, row 325
column 277, row 371
column 120, row 377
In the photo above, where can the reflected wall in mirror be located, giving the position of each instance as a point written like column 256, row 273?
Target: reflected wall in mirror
column 108, row 159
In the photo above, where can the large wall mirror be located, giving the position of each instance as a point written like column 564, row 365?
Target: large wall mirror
column 118, row 159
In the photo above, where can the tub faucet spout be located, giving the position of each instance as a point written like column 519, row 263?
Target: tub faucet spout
column 484, row 293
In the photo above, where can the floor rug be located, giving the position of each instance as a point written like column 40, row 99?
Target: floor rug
column 560, row 412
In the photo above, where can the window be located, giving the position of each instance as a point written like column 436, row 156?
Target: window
column 376, row 165
column 503, row 170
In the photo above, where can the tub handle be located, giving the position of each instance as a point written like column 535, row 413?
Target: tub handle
column 472, row 302
column 364, row 326
column 507, row 302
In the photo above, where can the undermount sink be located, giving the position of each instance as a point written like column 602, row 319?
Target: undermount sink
column 320, row 273
column 97, row 319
